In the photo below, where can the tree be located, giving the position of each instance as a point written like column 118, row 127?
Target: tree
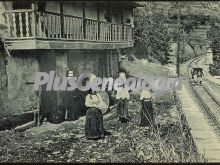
column 214, row 35
column 156, row 25
column 151, row 33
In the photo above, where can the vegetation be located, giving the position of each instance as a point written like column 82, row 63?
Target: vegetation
column 214, row 37
column 151, row 34
column 156, row 27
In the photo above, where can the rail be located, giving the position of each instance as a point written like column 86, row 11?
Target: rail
column 201, row 101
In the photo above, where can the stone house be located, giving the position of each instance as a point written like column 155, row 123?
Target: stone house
column 78, row 36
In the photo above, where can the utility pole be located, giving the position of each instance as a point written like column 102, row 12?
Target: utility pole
column 184, row 40
column 178, row 42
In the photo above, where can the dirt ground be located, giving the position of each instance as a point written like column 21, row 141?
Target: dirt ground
column 129, row 142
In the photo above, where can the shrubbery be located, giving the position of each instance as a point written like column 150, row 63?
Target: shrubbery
column 151, row 34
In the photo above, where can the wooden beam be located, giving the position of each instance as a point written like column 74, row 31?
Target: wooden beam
column 98, row 18
column 24, row 127
column 65, row 44
column 84, row 21
column 14, row 120
column 62, row 19
column 33, row 7
column 122, row 22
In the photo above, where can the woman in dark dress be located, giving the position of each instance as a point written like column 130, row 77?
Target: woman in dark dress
column 123, row 97
column 146, row 114
column 94, row 128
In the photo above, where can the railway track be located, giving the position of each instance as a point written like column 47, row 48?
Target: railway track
column 205, row 98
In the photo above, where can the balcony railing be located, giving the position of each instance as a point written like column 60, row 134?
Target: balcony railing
column 46, row 25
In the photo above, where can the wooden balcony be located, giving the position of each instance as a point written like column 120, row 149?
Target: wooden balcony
column 29, row 29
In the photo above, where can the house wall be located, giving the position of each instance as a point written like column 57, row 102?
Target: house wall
column 3, row 84
column 4, row 6
column 90, row 61
column 127, row 14
column 53, row 6
column 73, row 8
column 102, row 11
column 103, row 63
column 91, row 10
column 80, row 61
column 7, row 4
column 76, row 9
column 21, row 68
column 99, row 62
column 24, row 64
column 113, row 62
column 116, row 17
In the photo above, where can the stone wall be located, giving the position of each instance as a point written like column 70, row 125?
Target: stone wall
column 21, row 68
column 3, row 84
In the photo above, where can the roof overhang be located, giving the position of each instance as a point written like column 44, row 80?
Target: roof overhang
column 121, row 4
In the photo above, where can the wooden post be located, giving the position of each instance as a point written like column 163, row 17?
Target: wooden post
column 27, row 24
column 84, row 21
column 15, row 27
column 111, row 32
column 122, row 25
column 20, row 24
column 98, row 18
column 61, row 20
column 132, row 28
column 110, row 64
column 178, row 42
column 33, row 6
column 8, row 24
column 183, row 45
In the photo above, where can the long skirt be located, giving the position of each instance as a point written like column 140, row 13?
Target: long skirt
column 94, row 128
column 147, row 116
column 122, row 110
